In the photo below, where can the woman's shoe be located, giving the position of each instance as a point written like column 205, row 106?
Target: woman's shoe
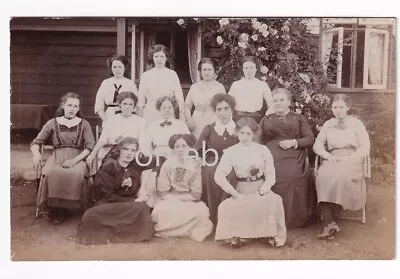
column 235, row 242
column 325, row 233
column 333, row 228
column 272, row 241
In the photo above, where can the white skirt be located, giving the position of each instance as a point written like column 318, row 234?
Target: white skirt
column 255, row 216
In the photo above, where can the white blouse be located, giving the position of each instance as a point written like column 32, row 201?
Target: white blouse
column 200, row 96
column 157, row 136
column 249, row 94
column 243, row 159
column 105, row 94
column 156, row 83
column 354, row 135
column 120, row 127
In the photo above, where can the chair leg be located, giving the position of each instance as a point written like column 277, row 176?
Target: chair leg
column 364, row 217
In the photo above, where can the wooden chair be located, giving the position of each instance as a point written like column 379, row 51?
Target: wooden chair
column 43, row 148
column 348, row 214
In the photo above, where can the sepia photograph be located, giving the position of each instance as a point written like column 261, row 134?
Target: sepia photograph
column 202, row 138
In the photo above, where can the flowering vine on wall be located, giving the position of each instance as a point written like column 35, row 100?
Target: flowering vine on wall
column 287, row 55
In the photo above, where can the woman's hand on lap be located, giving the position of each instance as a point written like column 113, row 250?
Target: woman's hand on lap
column 69, row 163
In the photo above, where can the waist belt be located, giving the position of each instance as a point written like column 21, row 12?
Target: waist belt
column 250, row 179
column 112, row 105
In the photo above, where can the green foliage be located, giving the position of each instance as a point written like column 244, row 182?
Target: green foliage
column 287, row 54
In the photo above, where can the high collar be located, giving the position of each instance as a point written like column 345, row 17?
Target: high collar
column 283, row 114
column 220, row 128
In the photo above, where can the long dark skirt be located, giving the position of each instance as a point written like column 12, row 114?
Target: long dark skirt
column 294, row 183
column 212, row 193
column 119, row 222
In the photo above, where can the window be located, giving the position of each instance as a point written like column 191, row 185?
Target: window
column 355, row 52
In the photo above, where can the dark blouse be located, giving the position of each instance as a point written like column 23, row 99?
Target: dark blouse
column 79, row 136
column 282, row 127
column 214, row 141
column 112, row 174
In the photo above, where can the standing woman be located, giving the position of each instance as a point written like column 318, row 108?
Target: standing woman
column 288, row 135
column 158, row 82
column 200, row 96
column 253, row 210
column 106, row 99
column 63, row 185
column 249, row 93
column 343, row 143
column 215, row 138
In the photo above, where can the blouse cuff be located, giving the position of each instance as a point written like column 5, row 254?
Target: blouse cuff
column 37, row 142
column 296, row 144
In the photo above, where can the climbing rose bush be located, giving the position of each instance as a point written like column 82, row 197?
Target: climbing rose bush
column 287, row 54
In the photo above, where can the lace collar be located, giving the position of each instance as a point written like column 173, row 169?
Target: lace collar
column 68, row 122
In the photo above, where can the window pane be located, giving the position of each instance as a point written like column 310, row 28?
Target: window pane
column 346, row 63
column 333, row 57
column 376, row 58
column 360, row 59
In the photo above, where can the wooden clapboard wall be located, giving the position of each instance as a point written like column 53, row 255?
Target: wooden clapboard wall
column 51, row 57
column 46, row 65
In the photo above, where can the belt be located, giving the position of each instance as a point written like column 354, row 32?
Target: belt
column 250, row 179
column 112, row 105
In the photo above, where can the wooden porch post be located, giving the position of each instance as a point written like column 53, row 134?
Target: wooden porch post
column 133, row 53
column 141, row 54
column 121, row 36
column 199, row 49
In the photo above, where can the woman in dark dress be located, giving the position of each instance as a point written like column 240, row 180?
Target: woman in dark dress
column 120, row 215
column 288, row 135
column 213, row 140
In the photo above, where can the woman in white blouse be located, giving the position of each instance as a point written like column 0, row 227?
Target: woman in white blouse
column 124, row 124
column 179, row 212
column 106, row 98
column 159, row 131
column 200, row 96
column 343, row 143
column 253, row 210
column 249, row 93
column 158, row 82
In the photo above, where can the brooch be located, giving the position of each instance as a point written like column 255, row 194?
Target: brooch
column 253, row 173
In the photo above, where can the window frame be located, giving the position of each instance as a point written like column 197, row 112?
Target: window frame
column 367, row 48
column 358, row 25
column 340, row 32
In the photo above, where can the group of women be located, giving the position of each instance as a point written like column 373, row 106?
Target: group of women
column 209, row 164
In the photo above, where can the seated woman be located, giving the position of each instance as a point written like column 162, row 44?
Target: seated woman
column 120, row 215
column 288, row 135
column 159, row 131
column 253, row 211
column 64, row 185
column 123, row 124
column 214, row 139
column 340, row 179
column 179, row 211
